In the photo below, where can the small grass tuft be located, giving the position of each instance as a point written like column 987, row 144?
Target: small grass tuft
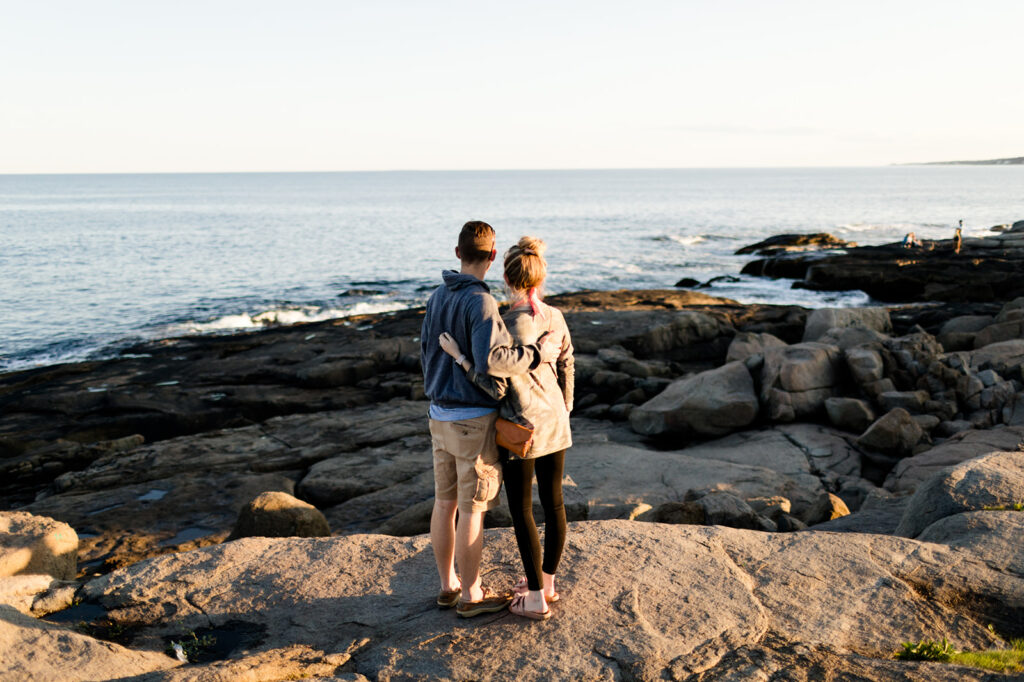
column 927, row 650
column 1016, row 506
column 996, row 660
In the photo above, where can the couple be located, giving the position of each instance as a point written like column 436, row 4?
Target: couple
column 475, row 365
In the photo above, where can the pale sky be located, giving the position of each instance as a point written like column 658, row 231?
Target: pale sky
column 333, row 85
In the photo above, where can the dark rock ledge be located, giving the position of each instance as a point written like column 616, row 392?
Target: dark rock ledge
column 986, row 269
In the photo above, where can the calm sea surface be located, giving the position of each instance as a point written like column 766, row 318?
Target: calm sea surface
column 89, row 263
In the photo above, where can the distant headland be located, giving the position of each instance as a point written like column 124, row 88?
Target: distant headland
column 1014, row 161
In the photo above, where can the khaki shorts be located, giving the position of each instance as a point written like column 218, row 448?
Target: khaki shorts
column 466, row 463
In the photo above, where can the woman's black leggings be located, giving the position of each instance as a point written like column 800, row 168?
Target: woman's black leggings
column 518, row 474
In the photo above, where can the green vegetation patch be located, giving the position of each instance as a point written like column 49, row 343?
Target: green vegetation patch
column 997, row 660
column 1016, row 506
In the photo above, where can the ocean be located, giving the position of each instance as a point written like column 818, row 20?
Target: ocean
column 92, row 263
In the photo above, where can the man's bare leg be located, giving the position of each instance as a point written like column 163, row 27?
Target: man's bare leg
column 442, row 539
column 469, row 546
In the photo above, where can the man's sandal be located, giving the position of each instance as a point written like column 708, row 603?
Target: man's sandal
column 522, row 587
column 447, row 600
column 491, row 603
column 518, row 607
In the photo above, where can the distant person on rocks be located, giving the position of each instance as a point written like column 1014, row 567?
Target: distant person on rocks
column 958, row 240
column 541, row 399
column 467, row 477
column 911, row 241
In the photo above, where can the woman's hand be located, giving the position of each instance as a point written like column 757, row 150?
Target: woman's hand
column 449, row 345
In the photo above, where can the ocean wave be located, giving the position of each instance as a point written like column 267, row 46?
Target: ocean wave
column 685, row 240
column 281, row 316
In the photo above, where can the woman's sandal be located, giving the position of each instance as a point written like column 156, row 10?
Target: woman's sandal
column 518, row 607
column 522, row 587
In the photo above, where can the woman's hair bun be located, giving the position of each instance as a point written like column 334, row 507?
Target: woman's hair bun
column 534, row 244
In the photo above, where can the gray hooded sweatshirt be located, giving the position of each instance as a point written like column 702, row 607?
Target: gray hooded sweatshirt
column 463, row 307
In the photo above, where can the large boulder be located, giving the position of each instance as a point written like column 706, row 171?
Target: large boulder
column 958, row 333
column 711, row 403
column 278, row 515
column 37, row 544
column 748, row 464
column 911, row 472
column 989, row 482
column 1005, row 357
column 995, row 536
column 895, row 433
column 824, row 319
column 796, row 380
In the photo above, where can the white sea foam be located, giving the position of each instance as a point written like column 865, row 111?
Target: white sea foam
column 281, row 316
column 684, row 240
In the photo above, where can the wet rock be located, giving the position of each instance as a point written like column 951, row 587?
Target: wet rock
column 715, row 402
column 278, row 515
column 783, row 243
column 991, row 481
column 37, row 544
column 985, row 270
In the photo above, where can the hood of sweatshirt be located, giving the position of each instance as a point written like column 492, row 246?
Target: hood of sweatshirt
column 456, row 281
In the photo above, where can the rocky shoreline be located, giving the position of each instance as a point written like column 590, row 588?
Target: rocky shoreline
column 752, row 487
column 985, row 270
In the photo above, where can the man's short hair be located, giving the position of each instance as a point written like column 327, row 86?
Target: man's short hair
column 476, row 241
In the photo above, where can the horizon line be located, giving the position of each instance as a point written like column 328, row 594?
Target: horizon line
column 475, row 170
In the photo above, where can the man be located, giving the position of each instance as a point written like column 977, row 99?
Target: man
column 467, row 476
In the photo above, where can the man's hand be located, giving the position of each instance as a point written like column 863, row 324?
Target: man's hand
column 550, row 347
column 449, row 345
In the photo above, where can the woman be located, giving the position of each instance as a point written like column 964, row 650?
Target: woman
column 542, row 399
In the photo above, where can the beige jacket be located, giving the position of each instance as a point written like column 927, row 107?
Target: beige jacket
column 542, row 397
